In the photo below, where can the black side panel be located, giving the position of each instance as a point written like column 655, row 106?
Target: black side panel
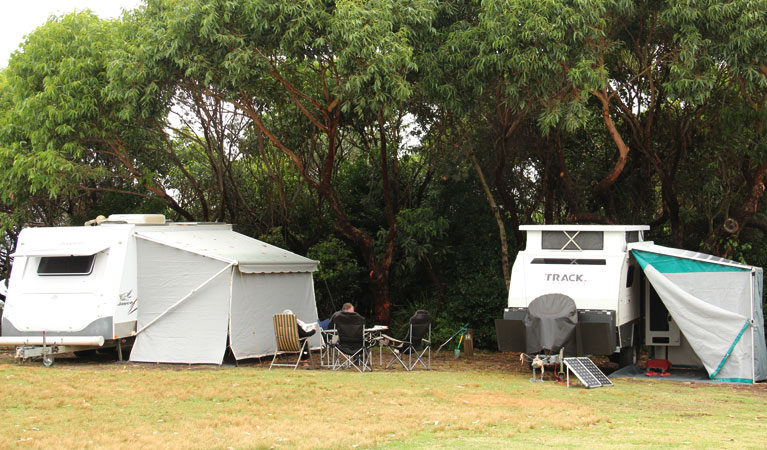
column 596, row 333
column 627, row 331
column 511, row 335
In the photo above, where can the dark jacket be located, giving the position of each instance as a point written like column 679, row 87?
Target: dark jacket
column 346, row 316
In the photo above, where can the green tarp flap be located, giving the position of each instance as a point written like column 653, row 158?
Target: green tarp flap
column 674, row 264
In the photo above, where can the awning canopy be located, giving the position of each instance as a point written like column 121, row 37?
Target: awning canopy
column 675, row 260
column 716, row 303
column 222, row 243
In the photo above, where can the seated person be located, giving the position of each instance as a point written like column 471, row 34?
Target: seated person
column 304, row 330
column 347, row 309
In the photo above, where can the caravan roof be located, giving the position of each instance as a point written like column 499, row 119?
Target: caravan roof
column 584, row 227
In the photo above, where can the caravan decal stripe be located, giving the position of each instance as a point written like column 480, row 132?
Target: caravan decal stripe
column 727, row 355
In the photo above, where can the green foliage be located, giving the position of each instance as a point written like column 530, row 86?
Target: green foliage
column 338, row 279
column 283, row 117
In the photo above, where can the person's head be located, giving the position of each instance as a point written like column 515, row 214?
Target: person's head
column 348, row 307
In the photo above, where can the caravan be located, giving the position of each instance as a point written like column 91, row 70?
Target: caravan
column 178, row 292
column 604, row 290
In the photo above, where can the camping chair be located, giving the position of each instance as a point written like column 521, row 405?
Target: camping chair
column 286, row 335
column 326, row 350
column 349, row 349
column 415, row 345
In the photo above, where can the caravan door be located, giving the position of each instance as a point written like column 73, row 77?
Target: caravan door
column 660, row 328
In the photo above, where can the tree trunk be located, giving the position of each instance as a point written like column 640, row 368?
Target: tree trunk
column 720, row 241
column 671, row 204
column 499, row 221
column 600, row 189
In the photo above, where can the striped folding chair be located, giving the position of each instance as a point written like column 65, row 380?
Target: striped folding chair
column 288, row 342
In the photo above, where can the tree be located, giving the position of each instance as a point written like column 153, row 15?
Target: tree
column 68, row 134
column 325, row 63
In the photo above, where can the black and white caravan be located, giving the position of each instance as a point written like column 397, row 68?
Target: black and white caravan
column 583, row 290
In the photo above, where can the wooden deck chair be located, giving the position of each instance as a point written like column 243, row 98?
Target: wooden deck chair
column 288, row 342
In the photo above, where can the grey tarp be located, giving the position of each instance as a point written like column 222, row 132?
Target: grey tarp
column 550, row 323
column 717, row 305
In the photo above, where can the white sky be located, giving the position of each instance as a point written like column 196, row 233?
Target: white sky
column 18, row 18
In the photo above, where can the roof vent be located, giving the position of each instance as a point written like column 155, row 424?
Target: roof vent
column 138, row 218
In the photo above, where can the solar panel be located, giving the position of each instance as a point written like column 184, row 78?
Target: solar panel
column 587, row 372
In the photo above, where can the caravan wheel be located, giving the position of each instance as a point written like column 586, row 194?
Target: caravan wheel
column 47, row 360
column 628, row 356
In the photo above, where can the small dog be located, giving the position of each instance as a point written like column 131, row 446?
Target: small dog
column 537, row 363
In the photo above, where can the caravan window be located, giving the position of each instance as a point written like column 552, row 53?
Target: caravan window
column 630, row 277
column 572, row 240
column 66, row 265
column 579, row 261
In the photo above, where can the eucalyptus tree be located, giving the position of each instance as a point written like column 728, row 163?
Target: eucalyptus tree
column 615, row 60
column 326, row 64
column 495, row 62
column 731, row 43
column 632, row 70
column 69, row 133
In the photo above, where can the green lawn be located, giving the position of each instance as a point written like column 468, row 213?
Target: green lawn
column 111, row 405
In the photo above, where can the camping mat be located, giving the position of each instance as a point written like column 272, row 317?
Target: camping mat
column 689, row 375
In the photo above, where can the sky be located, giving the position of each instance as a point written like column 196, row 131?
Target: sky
column 18, row 18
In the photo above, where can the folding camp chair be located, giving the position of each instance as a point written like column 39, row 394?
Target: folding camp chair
column 326, row 350
column 349, row 349
column 288, row 342
column 416, row 345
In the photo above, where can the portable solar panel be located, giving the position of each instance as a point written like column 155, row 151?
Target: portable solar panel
column 587, row 372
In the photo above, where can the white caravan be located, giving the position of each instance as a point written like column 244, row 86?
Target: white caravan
column 583, row 276
column 603, row 290
column 76, row 285
column 183, row 291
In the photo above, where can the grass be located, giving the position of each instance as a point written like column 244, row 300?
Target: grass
column 468, row 403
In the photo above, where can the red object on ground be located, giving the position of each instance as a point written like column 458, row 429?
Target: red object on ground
column 656, row 366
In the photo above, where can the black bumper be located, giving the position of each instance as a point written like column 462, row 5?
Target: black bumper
column 595, row 333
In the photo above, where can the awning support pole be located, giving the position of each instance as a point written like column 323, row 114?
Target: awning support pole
column 751, row 315
column 191, row 293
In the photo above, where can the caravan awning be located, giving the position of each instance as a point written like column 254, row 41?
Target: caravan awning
column 675, row 260
column 222, row 243
column 712, row 300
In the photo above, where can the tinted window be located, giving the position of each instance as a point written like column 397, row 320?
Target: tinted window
column 572, row 240
column 632, row 236
column 630, row 277
column 578, row 261
column 66, row 265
